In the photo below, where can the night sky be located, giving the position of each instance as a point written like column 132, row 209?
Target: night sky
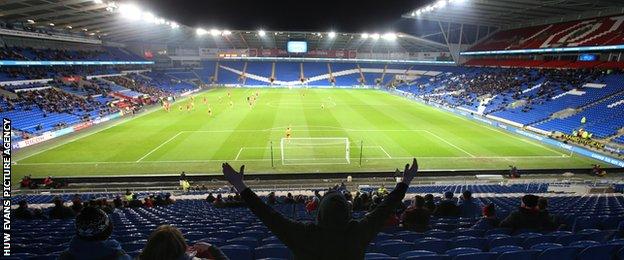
column 318, row 15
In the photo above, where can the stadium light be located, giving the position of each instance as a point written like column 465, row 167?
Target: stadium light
column 440, row 4
column 70, row 27
column 30, row 21
column 389, row 36
column 364, row 35
column 226, row 32
column 200, row 31
column 98, row 1
column 130, row 11
column 174, row 25
column 148, row 17
column 331, row 34
column 375, row 36
column 261, row 33
column 52, row 24
column 215, row 32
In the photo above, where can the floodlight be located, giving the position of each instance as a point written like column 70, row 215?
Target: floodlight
column 30, row 21
column 261, row 33
column 148, row 17
column 70, row 27
column 331, row 34
column 226, row 32
column 418, row 12
column 364, row 35
column 130, row 11
column 375, row 36
column 200, row 31
column 389, row 36
column 174, row 25
column 440, row 4
column 51, row 24
column 214, row 32
column 98, row 1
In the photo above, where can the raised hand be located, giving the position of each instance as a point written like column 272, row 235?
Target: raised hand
column 233, row 177
column 410, row 172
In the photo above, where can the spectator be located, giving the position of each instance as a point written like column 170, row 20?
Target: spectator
column 416, row 217
column 117, row 202
column 312, row 205
column 93, row 229
column 167, row 242
column 210, row 198
column 289, row 199
column 527, row 216
column 271, row 198
column 60, row 211
column 148, row 202
column 429, row 203
column 135, row 202
column 469, row 207
column 48, row 182
column 26, row 181
column 23, row 212
column 218, row 201
column 335, row 235
column 447, row 208
column 76, row 204
column 489, row 219
column 129, row 196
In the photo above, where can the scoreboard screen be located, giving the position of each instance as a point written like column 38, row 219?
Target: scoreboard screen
column 587, row 57
column 297, row 46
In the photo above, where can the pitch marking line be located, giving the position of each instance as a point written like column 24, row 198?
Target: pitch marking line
column 238, row 154
column 449, row 143
column 264, row 160
column 158, row 147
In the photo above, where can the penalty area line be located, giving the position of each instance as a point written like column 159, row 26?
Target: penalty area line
column 158, row 147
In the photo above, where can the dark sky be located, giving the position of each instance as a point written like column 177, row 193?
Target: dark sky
column 305, row 15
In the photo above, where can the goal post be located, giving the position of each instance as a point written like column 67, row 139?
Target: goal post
column 315, row 150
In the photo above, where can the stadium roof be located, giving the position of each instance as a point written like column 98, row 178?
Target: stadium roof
column 514, row 13
column 104, row 19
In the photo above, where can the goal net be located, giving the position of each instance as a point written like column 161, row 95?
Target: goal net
column 319, row 150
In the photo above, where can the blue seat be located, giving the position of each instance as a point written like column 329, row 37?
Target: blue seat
column 620, row 254
column 273, row 250
column 584, row 243
column 462, row 250
column 598, row 252
column 559, row 253
column 601, row 236
column 237, row 252
column 567, row 239
column 245, row 241
column 395, row 248
column 529, row 242
column 505, row 241
column 414, row 253
column 436, row 245
column 470, row 242
column 505, row 231
column 519, row 255
column 376, row 256
column 581, row 223
column 505, row 249
column 477, row 256
column 430, row 257
column 408, row 236
column 544, row 246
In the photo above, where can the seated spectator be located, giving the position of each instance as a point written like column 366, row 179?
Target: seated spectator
column 129, row 196
column 527, row 216
column 23, row 212
column 117, row 202
column 135, row 202
column 447, row 208
column 60, row 211
column 168, row 200
column 148, row 202
column 335, row 234
column 76, row 204
column 289, row 199
column 429, row 203
column 489, row 219
column 26, row 182
column 271, row 199
column 167, row 242
column 48, row 182
column 210, row 198
column 416, row 217
column 312, row 205
column 93, row 229
column 469, row 207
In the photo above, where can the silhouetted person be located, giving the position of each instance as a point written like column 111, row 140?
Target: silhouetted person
column 334, row 235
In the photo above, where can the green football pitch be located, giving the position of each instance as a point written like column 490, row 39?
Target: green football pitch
column 333, row 130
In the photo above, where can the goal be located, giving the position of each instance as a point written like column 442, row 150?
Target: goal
column 315, row 150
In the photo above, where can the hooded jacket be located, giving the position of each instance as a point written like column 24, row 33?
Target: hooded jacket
column 335, row 235
column 106, row 249
column 525, row 218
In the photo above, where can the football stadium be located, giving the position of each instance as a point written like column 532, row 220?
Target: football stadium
column 423, row 129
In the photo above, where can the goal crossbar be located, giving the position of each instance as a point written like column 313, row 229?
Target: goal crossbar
column 315, row 150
